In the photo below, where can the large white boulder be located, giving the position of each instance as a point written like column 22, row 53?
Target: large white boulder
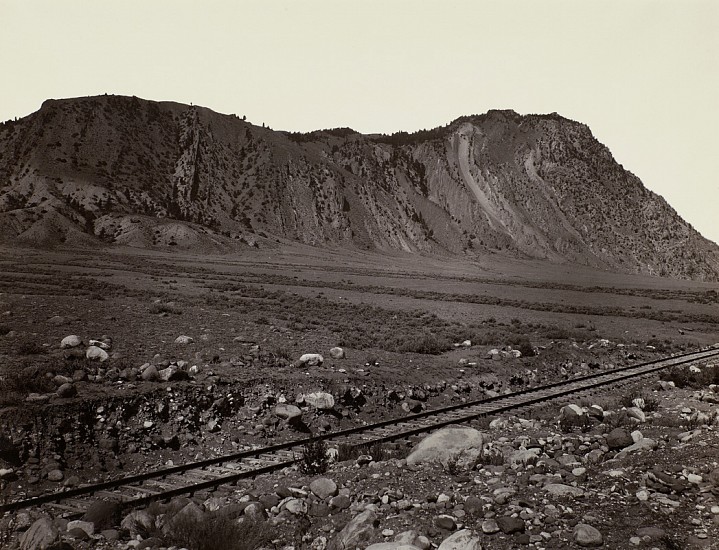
column 455, row 444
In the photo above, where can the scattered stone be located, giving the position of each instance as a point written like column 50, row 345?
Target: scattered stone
column 71, row 341
column 587, row 536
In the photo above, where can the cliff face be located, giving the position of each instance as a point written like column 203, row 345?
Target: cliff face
column 143, row 173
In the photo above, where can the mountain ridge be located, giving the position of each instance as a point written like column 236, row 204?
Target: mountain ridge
column 144, row 173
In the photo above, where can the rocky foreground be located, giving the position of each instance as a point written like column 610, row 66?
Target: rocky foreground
column 643, row 475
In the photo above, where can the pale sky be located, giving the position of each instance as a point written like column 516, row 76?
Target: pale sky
column 643, row 74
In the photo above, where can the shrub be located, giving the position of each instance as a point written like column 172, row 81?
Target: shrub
column 684, row 376
column 218, row 531
column 378, row 451
column 157, row 308
column 30, row 347
column 650, row 404
column 314, row 457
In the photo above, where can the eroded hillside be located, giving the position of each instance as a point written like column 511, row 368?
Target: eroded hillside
column 145, row 174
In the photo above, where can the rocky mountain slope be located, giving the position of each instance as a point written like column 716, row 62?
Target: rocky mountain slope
column 143, row 173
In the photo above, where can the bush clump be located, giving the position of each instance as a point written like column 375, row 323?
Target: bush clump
column 314, row 457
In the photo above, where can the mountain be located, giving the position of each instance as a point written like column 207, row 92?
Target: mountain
column 144, row 173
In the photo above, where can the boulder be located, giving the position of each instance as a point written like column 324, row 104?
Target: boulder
column 337, row 353
column 357, row 532
column 509, row 525
column 40, row 536
column 150, row 374
column 445, row 522
column 103, row 514
column 571, row 412
column 138, row 522
column 85, row 526
column 94, row 353
column 296, row 506
column 461, row 540
column 310, row 360
column 618, row 438
column 646, row 444
column 71, row 341
column 323, row 487
column 587, row 536
column 287, row 412
column 320, row 400
column 459, row 444
column 637, row 413
column 55, row 475
column 67, row 390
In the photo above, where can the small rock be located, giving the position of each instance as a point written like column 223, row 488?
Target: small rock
column 184, row 340
column 337, row 353
column 490, row 527
column 55, row 475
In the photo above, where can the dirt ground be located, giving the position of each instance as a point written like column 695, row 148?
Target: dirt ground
column 402, row 322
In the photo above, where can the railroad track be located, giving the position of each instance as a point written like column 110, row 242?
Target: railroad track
column 216, row 474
